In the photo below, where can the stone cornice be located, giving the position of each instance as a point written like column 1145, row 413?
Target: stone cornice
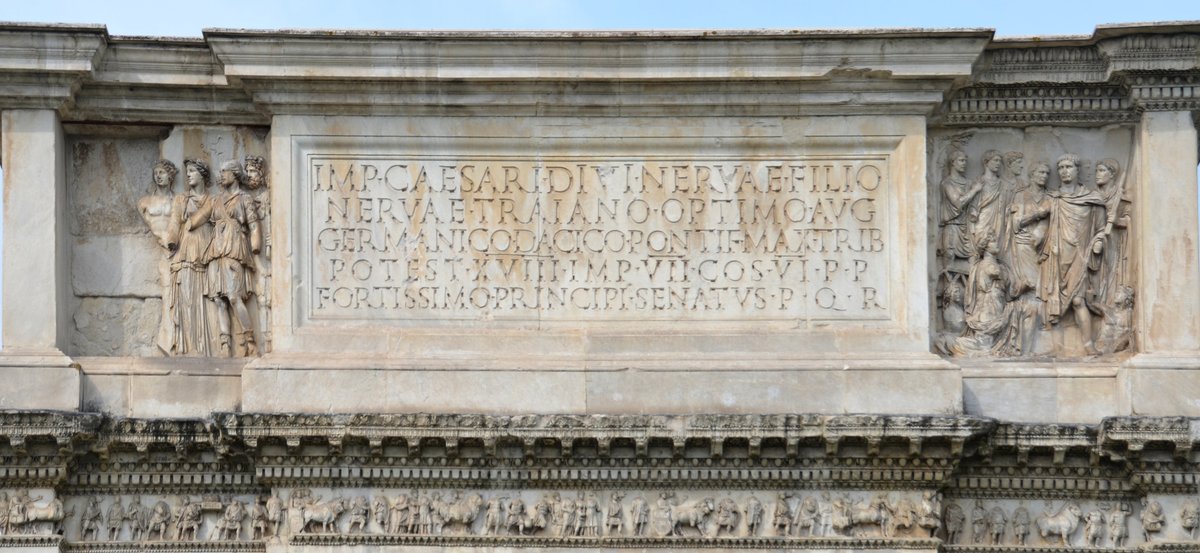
column 42, row 66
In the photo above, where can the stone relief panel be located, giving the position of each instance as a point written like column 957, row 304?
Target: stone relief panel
column 1033, row 242
column 150, row 216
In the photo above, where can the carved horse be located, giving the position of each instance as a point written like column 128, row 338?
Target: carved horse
column 876, row 512
column 325, row 514
column 463, row 511
column 1062, row 524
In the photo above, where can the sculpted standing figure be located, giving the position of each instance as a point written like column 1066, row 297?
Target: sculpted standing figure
column 1071, row 238
column 256, row 184
column 188, row 237
column 1112, row 272
column 992, row 204
column 155, row 209
column 235, row 240
column 929, row 516
column 958, row 196
column 1029, row 220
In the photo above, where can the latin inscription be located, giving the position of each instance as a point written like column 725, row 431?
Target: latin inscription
column 584, row 239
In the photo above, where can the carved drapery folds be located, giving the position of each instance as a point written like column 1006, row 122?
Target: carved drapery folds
column 215, row 258
column 242, row 481
column 1033, row 256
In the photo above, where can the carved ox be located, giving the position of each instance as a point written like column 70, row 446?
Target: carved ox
column 877, row 512
column 26, row 518
column 463, row 511
column 694, row 515
column 325, row 514
column 1062, row 524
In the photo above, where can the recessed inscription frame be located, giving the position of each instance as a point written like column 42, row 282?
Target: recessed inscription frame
column 536, row 203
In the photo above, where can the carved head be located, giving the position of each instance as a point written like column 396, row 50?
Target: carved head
column 1124, row 298
column 256, row 175
column 1040, row 174
column 992, row 161
column 1068, row 168
column 196, row 172
column 1106, row 170
column 1015, row 163
column 165, row 173
column 231, row 174
column 956, row 161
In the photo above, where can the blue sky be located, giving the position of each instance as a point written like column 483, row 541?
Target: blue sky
column 1010, row 17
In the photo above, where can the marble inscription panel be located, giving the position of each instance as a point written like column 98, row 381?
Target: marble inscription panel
column 416, row 237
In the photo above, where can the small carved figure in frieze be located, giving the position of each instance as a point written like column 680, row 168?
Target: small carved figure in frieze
column 424, row 514
column 114, row 518
column 155, row 209
column 1093, row 528
column 930, row 515
column 614, row 515
column 159, row 520
column 403, row 517
column 1061, row 524
column 188, row 517
column 662, row 519
column 754, row 516
column 543, row 513
column 437, row 513
column 1021, row 522
column 259, row 523
column 256, row 184
column 460, row 511
column 16, row 511
column 358, row 514
column 1071, row 243
column 229, row 523
column 189, row 237
column 807, row 514
column 1153, row 519
column 274, row 511
column 955, row 519
column 381, row 509
column 589, row 526
column 5, row 528
column 494, row 517
column 640, row 509
column 564, row 517
column 875, row 512
column 1118, row 528
column 904, row 515
column 515, row 516
column 826, row 517
column 997, row 522
column 300, row 499
column 27, row 514
column 958, row 197
column 782, row 519
column 726, row 517
column 843, row 516
column 1189, row 517
column 89, row 521
column 324, row 514
column 236, row 240
column 138, row 519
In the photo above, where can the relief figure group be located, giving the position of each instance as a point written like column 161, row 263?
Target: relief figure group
column 1018, row 259
column 216, row 257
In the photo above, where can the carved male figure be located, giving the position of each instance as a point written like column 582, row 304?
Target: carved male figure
column 1030, row 211
column 1118, row 528
column 189, row 237
column 114, row 518
column 1112, row 274
column 1093, row 528
column 640, row 508
column 614, row 518
column 958, row 197
column 89, row 520
column 1152, row 518
column 137, row 518
column 994, row 198
column 929, row 516
column 1071, row 239
column 782, row 520
column 155, row 209
column 236, row 238
column 256, row 183
column 160, row 520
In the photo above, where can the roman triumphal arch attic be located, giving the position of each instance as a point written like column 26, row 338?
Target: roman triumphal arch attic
column 313, row 292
